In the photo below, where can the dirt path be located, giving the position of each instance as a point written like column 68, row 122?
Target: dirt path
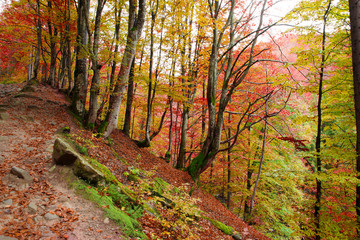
column 44, row 207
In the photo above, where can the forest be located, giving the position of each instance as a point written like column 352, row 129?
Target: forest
column 260, row 107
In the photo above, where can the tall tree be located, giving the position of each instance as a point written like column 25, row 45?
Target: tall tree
column 135, row 25
column 78, row 94
column 234, row 69
column 96, row 67
column 354, row 7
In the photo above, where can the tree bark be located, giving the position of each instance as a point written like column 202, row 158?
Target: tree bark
column 319, row 130
column 53, row 49
column 78, row 94
column 38, row 45
column 135, row 26
column 129, row 100
column 355, row 40
column 96, row 67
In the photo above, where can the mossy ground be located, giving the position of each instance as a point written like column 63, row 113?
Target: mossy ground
column 110, row 200
column 176, row 212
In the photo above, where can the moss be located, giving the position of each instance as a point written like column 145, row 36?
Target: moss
column 65, row 130
column 82, row 150
column 129, row 225
column 103, row 126
column 221, row 226
column 167, row 156
column 110, row 178
column 78, row 118
column 160, row 185
column 91, row 126
column 195, row 165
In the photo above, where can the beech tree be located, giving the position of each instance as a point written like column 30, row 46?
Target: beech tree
column 235, row 67
column 78, row 94
column 135, row 24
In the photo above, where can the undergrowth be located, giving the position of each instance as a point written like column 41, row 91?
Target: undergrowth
column 148, row 206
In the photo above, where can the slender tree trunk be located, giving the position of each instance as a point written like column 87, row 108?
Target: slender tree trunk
column 151, row 87
column 68, row 48
column 183, row 138
column 38, row 45
column 96, row 66
column 129, row 100
column 355, row 40
column 53, row 51
column 228, row 199
column 260, row 168
column 30, row 66
column 171, row 84
column 319, row 131
column 135, row 26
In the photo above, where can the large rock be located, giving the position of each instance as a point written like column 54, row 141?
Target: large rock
column 65, row 154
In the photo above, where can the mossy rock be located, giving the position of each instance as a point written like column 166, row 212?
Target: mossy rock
column 65, row 154
column 221, row 226
column 28, row 88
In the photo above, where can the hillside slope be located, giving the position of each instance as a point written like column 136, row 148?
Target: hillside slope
column 44, row 207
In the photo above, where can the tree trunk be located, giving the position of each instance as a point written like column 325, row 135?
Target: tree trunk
column 355, row 40
column 260, row 168
column 129, row 100
column 53, row 50
column 68, row 48
column 95, row 83
column 319, row 131
column 228, row 199
column 183, row 138
column 38, row 45
column 134, row 32
column 151, row 86
column 78, row 94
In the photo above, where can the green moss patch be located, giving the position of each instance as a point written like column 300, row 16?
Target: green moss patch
column 221, row 226
column 108, row 201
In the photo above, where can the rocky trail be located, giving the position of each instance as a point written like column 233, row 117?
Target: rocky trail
column 37, row 203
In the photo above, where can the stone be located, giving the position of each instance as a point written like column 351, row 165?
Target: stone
column 50, row 216
column 32, row 207
column 64, row 154
column 33, row 107
column 7, row 202
column 237, row 236
column 4, row 116
column 38, row 219
column 2, row 237
column 27, row 118
column 67, row 205
column 106, row 220
column 21, row 173
column 83, row 169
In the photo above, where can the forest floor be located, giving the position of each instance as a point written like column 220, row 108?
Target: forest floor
column 44, row 206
